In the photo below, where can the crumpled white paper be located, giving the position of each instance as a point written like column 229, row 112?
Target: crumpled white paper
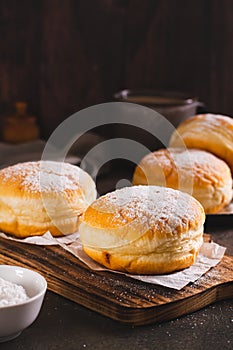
column 209, row 256
column 46, row 239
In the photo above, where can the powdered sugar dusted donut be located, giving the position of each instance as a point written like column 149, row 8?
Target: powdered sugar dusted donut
column 39, row 196
column 209, row 132
column 143, row 230
column 196, row 172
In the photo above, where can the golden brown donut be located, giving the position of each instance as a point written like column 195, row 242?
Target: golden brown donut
column 210, row 132
column 143, row 230
column 39, row 196
column 196, row 172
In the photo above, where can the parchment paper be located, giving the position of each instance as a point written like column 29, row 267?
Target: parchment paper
column 209, row 256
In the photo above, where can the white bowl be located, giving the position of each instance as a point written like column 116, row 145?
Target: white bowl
column 15, row 318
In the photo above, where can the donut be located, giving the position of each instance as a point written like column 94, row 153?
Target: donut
column 143, row 230
column 209, row 132
column 197, row 172
column 36, row 197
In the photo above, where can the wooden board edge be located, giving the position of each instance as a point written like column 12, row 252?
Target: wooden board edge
column 152, row 314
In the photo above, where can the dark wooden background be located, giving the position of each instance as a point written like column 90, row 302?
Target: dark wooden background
column 63, row 55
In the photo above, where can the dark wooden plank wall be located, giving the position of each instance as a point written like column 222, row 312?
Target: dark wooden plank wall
column 62, row 56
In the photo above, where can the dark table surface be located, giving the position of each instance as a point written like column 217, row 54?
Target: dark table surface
column 62, row 324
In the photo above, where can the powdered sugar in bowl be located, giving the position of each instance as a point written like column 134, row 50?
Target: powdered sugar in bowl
column 22, row 293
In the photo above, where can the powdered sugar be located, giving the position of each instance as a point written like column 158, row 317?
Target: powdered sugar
column 11, row 293
column 192, row 162
column 44, row 176
column 160, row 207
column 199, row 159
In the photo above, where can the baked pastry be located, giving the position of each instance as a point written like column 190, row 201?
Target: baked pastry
column 210, row 132
column 143, row 230
column 39, row 196
column 197, row 172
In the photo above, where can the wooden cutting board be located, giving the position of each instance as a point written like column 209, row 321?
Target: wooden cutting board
column 114, row 295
